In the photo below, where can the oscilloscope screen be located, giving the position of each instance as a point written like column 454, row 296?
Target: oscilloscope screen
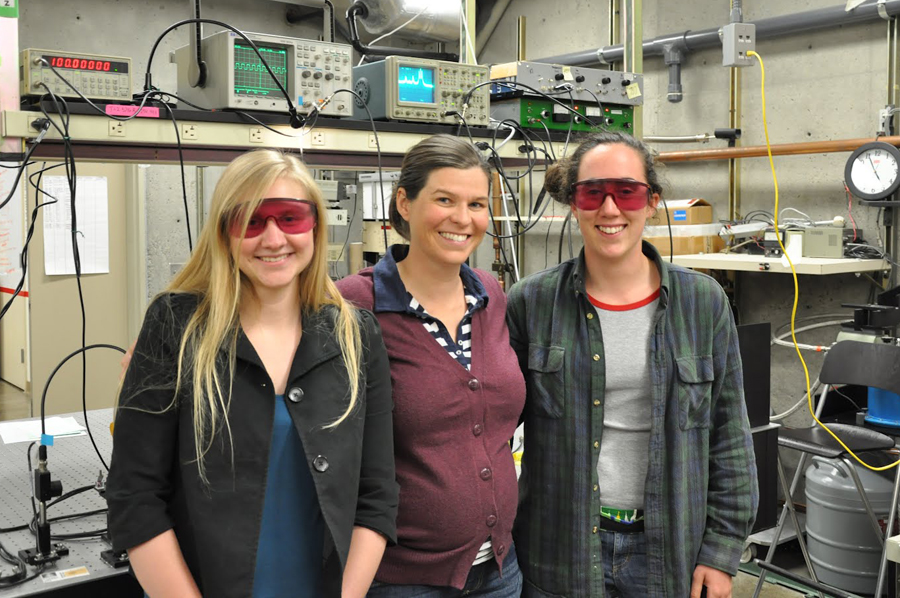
column 250, row 75
column 415, row 84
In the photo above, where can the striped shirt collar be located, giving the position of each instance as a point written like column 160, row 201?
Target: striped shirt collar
column 390, row 292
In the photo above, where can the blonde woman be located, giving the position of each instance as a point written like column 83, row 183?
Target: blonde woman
column 253, row 451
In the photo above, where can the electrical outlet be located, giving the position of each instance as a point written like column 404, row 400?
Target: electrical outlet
column 372, row 143
column 116, row 128
column 317, row 138
column 334, row 252
column 189, row 132
column 737, row 40
column 256, row 135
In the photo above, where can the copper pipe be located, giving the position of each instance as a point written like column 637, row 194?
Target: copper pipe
column 783, row 149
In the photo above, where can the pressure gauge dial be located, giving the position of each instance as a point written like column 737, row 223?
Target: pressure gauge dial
column 873, row 171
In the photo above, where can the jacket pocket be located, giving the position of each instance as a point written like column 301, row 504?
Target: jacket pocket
column 695, row 378
column 546, row 380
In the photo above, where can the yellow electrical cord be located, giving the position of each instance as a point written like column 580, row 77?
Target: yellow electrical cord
column 762, row 69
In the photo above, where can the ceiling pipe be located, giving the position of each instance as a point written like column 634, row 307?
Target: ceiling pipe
column 690, row 41
column 783, row 149
column 483, row 36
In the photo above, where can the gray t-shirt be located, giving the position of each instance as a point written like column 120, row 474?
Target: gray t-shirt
column 623, row 461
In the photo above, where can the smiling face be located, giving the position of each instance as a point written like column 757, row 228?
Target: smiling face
column 610, row 233
column 273, row 260
column 448, row 219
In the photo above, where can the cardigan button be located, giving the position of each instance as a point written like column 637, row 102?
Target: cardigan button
column 321, row 464
column 491, row 520
column 477, row 429
column 486, row 473
column 500, row 550
column 295, row 395
column 474, row 384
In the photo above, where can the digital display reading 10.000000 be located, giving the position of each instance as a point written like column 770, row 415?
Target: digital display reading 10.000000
column 86, row 64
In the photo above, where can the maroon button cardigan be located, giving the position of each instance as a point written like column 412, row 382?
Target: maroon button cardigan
column 451, row 440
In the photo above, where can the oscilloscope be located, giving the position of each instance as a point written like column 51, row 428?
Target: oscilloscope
column 418, row 89
column 236, row 78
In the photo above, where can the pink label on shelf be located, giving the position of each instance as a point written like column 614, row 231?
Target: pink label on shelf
column 119, row 110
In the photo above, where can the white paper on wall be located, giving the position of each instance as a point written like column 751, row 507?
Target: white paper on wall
column 92, row 220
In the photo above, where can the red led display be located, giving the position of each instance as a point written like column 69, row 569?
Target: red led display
column 87, row 64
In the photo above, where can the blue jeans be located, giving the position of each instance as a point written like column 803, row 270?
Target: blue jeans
column 484, row 580
column 624, row 564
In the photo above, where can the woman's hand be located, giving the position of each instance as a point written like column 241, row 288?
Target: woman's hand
column 718, row 583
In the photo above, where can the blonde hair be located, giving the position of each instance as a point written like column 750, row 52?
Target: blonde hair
column 213, row 276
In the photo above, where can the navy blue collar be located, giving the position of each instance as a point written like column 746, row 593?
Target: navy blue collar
column 390, row 292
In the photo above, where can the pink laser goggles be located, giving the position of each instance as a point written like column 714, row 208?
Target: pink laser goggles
column 292, row 216
column 627, row 194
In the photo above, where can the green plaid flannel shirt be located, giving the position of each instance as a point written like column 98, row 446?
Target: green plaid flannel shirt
column 701, row 493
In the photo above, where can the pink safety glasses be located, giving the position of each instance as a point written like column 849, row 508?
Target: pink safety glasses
column 628, row 195
column 292, row 216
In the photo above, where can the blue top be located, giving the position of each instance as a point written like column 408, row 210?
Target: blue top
column 289, row 551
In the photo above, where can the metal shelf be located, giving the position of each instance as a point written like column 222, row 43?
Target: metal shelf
column 758, row 263
column 337, row 143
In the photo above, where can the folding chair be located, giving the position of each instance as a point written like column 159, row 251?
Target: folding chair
column 847, row 362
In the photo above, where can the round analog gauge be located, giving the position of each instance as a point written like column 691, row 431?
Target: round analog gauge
column 873, row 171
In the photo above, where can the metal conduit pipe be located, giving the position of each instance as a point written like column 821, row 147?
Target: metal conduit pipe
column 497, row 12
column 773, row 27
column 698, row 138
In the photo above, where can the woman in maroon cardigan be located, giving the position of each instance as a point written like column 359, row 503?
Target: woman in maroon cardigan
column 458, row 390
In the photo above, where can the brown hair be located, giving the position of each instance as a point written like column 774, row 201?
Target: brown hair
column 439, row 151
column 561, row 176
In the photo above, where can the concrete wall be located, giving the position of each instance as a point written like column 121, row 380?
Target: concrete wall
column 819, row 86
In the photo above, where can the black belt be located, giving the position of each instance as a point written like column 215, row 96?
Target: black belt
column 611, row 525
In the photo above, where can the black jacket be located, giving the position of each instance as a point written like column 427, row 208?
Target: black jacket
column 154, row 483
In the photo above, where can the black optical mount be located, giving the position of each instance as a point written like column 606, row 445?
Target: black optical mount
column 45, row 489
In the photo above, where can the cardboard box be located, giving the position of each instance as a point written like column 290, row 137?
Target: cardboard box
column 683, row 211
column 688, row 245
column 687, row 239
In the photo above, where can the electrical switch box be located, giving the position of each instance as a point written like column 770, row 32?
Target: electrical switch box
column 737, row 40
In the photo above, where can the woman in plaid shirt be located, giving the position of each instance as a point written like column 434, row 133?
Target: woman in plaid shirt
column 638, row 477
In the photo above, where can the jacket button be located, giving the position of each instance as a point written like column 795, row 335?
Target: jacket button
column 474, row 384
column 295, row 395
column 485, row 473
column 491, row 520
column 321, row 464
column 477, row 429
column 500, row 550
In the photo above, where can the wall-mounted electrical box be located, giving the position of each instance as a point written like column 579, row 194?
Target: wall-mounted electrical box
column 737, row 40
